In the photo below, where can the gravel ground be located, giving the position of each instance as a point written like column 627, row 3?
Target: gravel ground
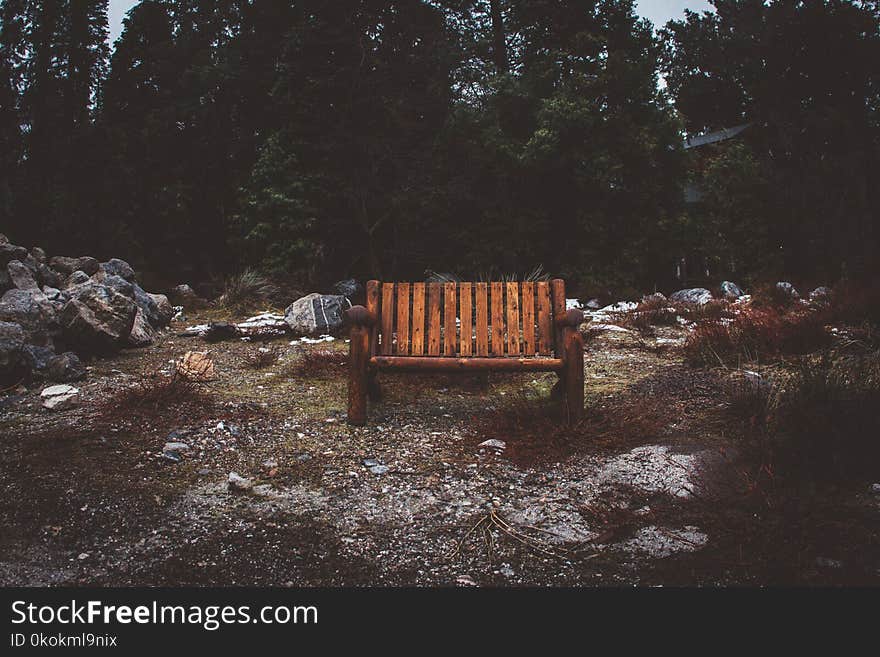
column 89, row 497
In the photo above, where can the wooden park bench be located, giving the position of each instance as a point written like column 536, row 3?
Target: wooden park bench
column 465, row 327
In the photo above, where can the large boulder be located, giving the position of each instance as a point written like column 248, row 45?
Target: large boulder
column 348, row 288
column 184, row 295
column 142, row 334
column 697, row 295
column 31, row 310
column 21, row 276
column 65, row 265
column 64, row 367
column 316, row 313
column 78, row 277
column 98, row 318
column 117, row 267
column 731, row 290
column 14, row 360
column 786, row 290
column 164, row 309
column 10, row 252
column 149, row 307
column 821, row 295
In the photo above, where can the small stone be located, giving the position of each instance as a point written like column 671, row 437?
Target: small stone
column 304, row 456
column 379, row 469
column 875, row 488
column 196, row 366
column 506, row 570
column 270, row 463
column 731, row 290
column 371, row 463
column 60, row 397
column 465, row 580
column 238, row 483
column 494, row 444
column 172, row 456
column 176, row 447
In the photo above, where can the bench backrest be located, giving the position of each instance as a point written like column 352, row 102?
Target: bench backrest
column 466, row 319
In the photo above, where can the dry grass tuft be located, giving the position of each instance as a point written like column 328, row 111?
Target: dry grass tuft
column 247, row 291
column 319, row 363
column 263, row 357
column 156, row 400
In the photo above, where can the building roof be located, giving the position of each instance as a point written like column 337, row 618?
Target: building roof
column 715, row 136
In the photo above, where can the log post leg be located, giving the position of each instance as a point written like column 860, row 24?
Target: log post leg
column 574, row 374
column 358, row 365
column 374, row 390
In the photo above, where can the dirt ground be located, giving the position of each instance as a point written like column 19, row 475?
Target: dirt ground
column 655, row 489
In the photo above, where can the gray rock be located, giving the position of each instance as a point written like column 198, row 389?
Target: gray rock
column 593, row 304
column 316, row 313
column 141, row 334
column 371, row 463
column 75, row 278
column 31, row 310
column 98, row 319
column 238, row 483
column 64, row 368
column 10, row 252
column 219, row 331
column 15, row 363
column 493, row 443
column 164, row 310
column 786, row 289
column 117, row 267
column 347, row 288
column 821, row 294
column 60, row 397
column 40, row 356
column 697, row 295
column 5, row 281
column 48, row 276
column 64, row 265
column 184, row 295
column 379, row 469
column 38, row 255
column 3, row 239
column 136, row 293
column 731, row 290
column 656, row 296
column 21, row 276
column 176, row 447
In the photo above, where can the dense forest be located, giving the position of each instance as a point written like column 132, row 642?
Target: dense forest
column 315, row 140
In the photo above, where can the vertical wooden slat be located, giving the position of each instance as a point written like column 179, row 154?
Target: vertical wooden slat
column 433, row 319
column 450, row 344
column 373, row 308
column 557, row 292
column 387, row 317
column 402, row 319
column 418, row 319
column 545, row 327
column 466, row 337
column 497, row 301
column 481, row 298
column 513, row 318
column 528, row 318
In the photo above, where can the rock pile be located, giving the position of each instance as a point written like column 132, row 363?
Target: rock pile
column 52, row 310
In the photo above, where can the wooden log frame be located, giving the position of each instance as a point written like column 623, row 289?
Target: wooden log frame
column 465, row 327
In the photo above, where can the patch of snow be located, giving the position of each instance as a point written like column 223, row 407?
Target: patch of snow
column 308, row 340
column 660, row 542
column 654, row 469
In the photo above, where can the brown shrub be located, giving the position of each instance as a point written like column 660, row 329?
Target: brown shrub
column 156, row 400
column 319, row 363
column 263, row 357
column 756, row 334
